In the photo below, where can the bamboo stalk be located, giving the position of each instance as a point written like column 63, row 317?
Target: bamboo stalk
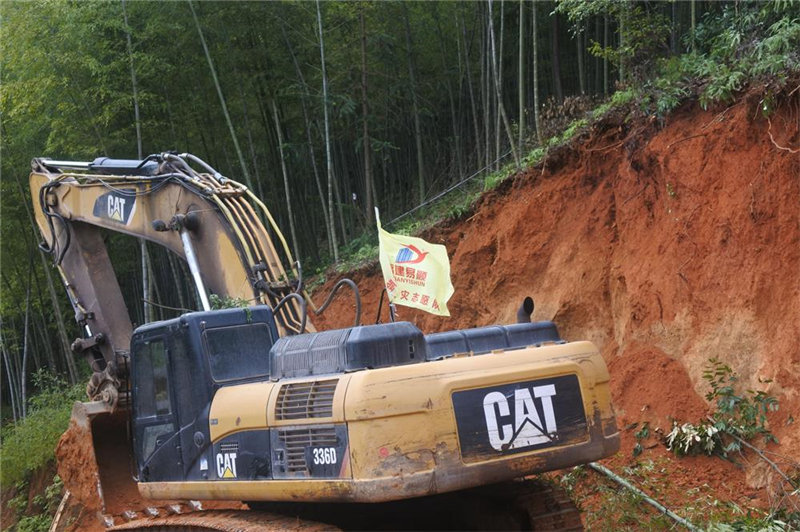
column 649, row 500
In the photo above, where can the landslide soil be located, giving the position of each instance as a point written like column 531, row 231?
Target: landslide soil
column 666, row 244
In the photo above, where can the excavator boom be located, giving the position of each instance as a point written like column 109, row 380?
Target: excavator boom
column 212, row 222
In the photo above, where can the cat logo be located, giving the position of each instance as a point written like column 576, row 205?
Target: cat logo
column 525, row 427
column 117, row 206
column 226, row 465
column 519, row 417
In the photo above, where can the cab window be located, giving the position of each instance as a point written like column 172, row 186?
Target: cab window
column 238, row 352
column 152, row 379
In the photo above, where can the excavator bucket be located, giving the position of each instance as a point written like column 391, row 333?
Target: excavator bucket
column 94, row 460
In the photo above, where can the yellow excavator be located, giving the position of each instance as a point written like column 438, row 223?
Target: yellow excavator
column 253, row 404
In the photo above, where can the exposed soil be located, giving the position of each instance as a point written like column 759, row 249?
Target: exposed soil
column 665, row 244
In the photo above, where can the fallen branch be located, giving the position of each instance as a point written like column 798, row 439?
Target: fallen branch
column 649, row 500
column 761, row 454
column 60, row 511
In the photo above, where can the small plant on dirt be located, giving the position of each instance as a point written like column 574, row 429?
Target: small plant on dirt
column 738, row 417
column 641, row 435
column 570, row 480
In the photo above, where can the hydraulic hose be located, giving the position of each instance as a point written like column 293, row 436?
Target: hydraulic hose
column 304, row 311
column 336, row 287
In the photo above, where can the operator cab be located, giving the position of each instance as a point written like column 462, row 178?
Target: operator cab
column 176, row 367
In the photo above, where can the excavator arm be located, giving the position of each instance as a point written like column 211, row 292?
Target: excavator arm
column 210, row 221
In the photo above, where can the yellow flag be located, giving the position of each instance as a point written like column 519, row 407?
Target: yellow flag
column 416, row 273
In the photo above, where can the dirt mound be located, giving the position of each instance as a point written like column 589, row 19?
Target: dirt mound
column 666, row 244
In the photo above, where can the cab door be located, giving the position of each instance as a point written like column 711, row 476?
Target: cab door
column 155, row 429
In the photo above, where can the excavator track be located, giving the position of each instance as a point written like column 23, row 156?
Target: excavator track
column 222, row 520
column 530, row 504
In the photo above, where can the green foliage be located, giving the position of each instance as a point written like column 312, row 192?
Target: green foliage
column 35, row 523
column 747, row 41
column 359, row 251
column 742, row 415
column 737, row 417
column 29, row 444
column 218, row 302
column 619, row 99
column 572, row 130
column 44, row 504
column 644, row 31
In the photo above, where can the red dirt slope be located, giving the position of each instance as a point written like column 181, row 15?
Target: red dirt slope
column 664, row 245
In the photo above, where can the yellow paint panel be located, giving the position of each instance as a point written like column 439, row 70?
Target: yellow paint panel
column 239, row 407
column 401, row 419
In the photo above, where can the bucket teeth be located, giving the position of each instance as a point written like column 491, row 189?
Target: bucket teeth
column 129, row 515
column 196, row 506
column 108, row 521
column 174, row 509
column 151, row 511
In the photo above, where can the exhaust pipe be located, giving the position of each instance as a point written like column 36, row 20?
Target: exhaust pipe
column 525, row 310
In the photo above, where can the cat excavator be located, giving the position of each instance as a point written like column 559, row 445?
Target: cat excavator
column 255, row 414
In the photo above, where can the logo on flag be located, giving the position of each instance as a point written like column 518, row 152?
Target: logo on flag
column 410, row 255
column 416, row 273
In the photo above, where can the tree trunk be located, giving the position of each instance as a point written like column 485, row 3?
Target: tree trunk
column 250, row 143
column 694, row 27
column 581, row 73
column 621, row 45
column 559, row 91
column 535, row 39
column 497, row 75
column 500, row 105
column 521, row 76
column 673, row 29
column 173, row 268
column 134, row 85
column 148, row 311
column 12, row 391
column 23, row 371
column 369, row 183
column 485, row 97
column 605, row 59
column 224, row 106
column 327, row 135
column 597, row 69
column 472, row 95
column 415, row 109
column 312, row 155
column 285, row 179
column 449, row 88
